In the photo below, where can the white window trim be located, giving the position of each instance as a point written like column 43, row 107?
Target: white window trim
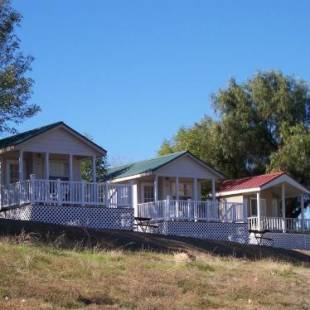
column 143, row 184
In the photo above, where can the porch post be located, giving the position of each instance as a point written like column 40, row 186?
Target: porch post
column 283, row 208
column 71, row 167
column 21, row 165
column 156, row 188
column 258, row 211
column 134, row 186
column 213, row 193
column 195, row 189
column 302, row 202
column 177, row 193
column 177, row 196
column 94, row 169
column 47, row 166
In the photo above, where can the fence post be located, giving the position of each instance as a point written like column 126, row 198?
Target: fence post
column 167, row 208
column 83, row 192
column 58, row 192
column 188, row 208
column 32, row 188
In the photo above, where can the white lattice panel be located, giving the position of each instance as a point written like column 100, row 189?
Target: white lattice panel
column 235, row 232
column 99, row 218
column 285, row 240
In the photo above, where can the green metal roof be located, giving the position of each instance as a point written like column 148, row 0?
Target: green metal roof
column 142, row 166
column 24, row 136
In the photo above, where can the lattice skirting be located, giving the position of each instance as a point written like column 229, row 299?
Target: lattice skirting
column 98, row 218
column 285, row 240
column 236, row 232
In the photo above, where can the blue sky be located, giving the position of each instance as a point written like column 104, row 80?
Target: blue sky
column 130, row 73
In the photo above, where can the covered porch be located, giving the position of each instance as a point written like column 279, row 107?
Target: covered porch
column 44, row 166
column 178, row 198
column 275, row 202
column 55, row 179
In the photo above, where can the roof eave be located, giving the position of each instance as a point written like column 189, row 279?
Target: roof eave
column 132, row 177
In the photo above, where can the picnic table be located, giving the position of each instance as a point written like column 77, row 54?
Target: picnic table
column 259, row 236
column 144, row 223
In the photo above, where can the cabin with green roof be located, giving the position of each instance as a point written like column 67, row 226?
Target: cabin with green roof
column 180, row 178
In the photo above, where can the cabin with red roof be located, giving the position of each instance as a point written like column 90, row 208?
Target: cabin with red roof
column 268, row 199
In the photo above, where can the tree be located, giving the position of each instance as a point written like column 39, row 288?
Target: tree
column 15, row 85
column 254, row 130
column 87, row 170
column 294, row 154
column 87, row 167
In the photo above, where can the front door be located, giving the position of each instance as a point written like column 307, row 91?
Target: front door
column 12, row 171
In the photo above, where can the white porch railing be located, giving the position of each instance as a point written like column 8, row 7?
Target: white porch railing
column 277, row 224
column 192, row 210
column 58, row 192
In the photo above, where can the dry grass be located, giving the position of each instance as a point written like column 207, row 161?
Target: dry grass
column 40, row 276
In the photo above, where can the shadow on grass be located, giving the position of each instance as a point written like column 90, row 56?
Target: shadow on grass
column 66, row 237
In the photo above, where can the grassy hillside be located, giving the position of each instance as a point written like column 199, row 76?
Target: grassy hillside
column 117, row 272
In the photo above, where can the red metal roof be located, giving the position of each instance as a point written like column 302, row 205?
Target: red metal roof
column 249, row 182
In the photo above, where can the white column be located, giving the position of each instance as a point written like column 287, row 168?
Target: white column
column 71, row 167
column 283, row 208
column 258, row 211
column 94, row 169
column 302, row 203
column 156, row 188
column 213, row 192
column 195, row 183
column 177, row 193
column 134, row 186
column 47, row 166
column 21, row 165
column 177, row 196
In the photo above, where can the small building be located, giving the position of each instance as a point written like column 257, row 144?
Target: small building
column 170, row 187
column 40, row 176
column 267, row 198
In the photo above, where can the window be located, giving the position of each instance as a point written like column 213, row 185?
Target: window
column 148, row 193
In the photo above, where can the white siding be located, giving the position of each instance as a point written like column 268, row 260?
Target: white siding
column 185, row 167
column 58, row 141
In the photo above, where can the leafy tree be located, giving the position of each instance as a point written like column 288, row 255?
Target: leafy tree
column 15, row 85
column 294, row 153
column 258, row 121
column 87, row 170
column 87, row 167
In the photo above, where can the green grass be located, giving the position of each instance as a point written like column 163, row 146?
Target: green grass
column 38, row 276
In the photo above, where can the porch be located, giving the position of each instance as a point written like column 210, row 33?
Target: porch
column 279, row 224
column 189, row 210
column 65, row 193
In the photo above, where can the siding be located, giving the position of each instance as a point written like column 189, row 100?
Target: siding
column 58, row 141
column 186, row 167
